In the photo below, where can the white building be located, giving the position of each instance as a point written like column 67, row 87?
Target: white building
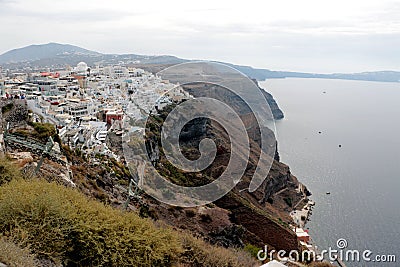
column 81, row 69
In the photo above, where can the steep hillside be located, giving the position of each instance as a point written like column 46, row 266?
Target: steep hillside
column 80, row 220
column 262, row 215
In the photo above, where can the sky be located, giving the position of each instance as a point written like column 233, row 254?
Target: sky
column 322, row 36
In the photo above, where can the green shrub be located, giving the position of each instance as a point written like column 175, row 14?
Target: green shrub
column 43, row 130
column 146, row 212
column 8, row 171
column 174, row 174
column 200, row 254
column 7, row 108
column 64, row 225
column 252, row 250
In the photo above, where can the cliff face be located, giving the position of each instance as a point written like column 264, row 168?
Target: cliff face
column 276, row 111
column 263, row 214
column 208, row 90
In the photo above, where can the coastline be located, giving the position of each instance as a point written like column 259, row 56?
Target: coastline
column 300, row 217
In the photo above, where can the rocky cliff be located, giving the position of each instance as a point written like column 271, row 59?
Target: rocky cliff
column 276, row 111
column 262, row 215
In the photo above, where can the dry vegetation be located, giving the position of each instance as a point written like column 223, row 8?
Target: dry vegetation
column 199, row 254
column 63, row 225
column 8, row 171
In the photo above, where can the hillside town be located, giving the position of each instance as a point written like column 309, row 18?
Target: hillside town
column 87, row 104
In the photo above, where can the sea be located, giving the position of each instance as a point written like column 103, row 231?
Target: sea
column 341, row 138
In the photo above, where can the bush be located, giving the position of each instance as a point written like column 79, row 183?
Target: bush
column 146, row 212
column 7, row 108
column 65, row 226
column 199, row 254
column 8, row 171
column 252, row 250
column 62, row 225
column 43, row 130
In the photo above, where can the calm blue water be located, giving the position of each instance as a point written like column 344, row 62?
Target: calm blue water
column 363, row 175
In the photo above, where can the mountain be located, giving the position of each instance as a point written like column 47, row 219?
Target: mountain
column 38, row 52
column 56, row 55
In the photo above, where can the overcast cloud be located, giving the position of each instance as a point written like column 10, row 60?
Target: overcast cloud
column 310, row 35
